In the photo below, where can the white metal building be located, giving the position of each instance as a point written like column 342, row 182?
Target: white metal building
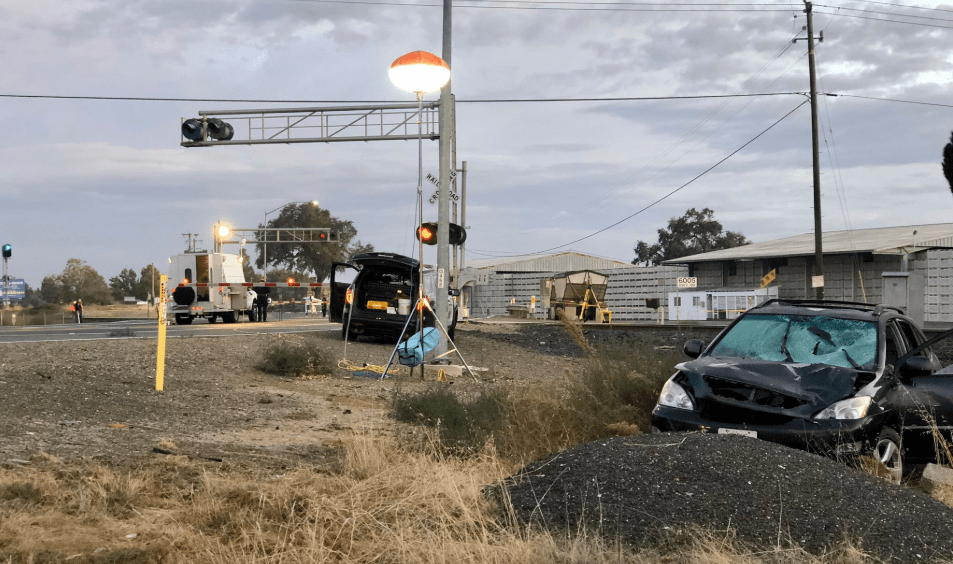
column 489, row 288
column 908, row 266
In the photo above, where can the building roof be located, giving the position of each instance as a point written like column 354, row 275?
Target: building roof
column 881, row 241
column 559, row 262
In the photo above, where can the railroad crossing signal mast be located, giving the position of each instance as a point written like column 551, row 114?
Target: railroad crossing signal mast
column 375, row 122
column 198, row 132
column 7, row 253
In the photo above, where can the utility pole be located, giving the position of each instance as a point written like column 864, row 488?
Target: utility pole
column 818, row 281
column 443, row 201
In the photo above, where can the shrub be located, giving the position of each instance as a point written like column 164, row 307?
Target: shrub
column 295, row 359
column 463, row 426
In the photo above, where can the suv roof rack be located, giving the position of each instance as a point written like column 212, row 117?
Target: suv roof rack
column 876, row 309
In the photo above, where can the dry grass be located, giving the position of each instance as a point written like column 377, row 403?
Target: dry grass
column 386, row 506
column 383, row 504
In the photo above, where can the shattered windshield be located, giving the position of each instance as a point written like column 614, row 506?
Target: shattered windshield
column 802, row 339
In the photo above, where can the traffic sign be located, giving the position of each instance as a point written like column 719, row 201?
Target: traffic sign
column 687, row 282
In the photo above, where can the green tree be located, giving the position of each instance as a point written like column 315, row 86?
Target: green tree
column 693, row 233
column 78, row 281
column 126, row 283
column 948, row 161
column 247, row 268
column 310, row 257
column 50, row 289
column 148, row 284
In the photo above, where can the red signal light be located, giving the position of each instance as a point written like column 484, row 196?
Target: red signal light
column 427, row 233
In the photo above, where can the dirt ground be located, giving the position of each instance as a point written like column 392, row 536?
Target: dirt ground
column 98, row 399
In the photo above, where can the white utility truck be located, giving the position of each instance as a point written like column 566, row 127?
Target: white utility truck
column 209, row 285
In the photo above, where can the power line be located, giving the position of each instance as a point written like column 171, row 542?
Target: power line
column 904, row 6
column 883, row 13
column 892, row 100
column 618, row 191
column 666, row 196
column 885, row 20
column 565, row 6
column 459, row 101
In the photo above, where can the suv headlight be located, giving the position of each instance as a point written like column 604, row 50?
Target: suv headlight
column 673, row 395
column 851, row 408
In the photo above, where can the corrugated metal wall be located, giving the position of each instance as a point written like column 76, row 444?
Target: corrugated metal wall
column 844, row 277
column 628, row 288
column 625, row 296
column 937, row 268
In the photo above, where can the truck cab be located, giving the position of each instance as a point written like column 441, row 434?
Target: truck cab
column 211, row 286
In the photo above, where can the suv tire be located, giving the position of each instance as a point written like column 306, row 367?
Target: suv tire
column 888, row 452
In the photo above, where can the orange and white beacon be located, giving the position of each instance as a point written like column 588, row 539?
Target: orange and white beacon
column 419, row 72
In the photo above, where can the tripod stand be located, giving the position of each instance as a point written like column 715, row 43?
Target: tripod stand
column 419, row 306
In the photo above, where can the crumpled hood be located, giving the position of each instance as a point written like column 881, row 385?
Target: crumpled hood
column 806, row 388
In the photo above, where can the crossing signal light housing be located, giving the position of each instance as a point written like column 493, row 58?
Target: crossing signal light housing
column 457, row 234
column 7, row 250
column 427, row 233
column 322, row 236
column 199, row 130
column 219, row 130
column 194, row 130
column 332, row 236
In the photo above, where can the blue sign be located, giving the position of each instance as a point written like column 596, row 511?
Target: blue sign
column 13, row 289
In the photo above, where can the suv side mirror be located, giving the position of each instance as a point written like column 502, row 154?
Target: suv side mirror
column 694, row 348
column 916, row 366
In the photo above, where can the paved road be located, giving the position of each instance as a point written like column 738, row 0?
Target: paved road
column 290, row 323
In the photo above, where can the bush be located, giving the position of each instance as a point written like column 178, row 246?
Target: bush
column 294, row 359
column 463, row 426
column 613, row 396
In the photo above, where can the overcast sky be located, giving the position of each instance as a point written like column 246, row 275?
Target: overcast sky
column 106, row 181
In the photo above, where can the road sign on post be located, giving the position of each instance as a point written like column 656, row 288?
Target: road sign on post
column 687, row 282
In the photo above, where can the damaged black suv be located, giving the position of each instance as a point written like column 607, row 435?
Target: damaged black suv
column 838, row 378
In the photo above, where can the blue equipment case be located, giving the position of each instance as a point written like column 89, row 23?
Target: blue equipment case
column 412, row 351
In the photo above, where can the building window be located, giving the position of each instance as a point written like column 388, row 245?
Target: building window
column 731, row 268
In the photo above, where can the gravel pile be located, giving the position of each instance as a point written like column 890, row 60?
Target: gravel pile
column 643, row 489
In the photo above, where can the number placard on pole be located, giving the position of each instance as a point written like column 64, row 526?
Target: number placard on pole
column 160, row 352
column 687, row 282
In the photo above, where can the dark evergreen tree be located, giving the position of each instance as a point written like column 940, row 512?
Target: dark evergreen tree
column 694, row 233
column 306, row 256
column 948, row 162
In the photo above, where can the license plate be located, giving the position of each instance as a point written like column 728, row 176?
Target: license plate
column 743, row 432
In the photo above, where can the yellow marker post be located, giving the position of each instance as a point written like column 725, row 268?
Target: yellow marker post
column 160, row 355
